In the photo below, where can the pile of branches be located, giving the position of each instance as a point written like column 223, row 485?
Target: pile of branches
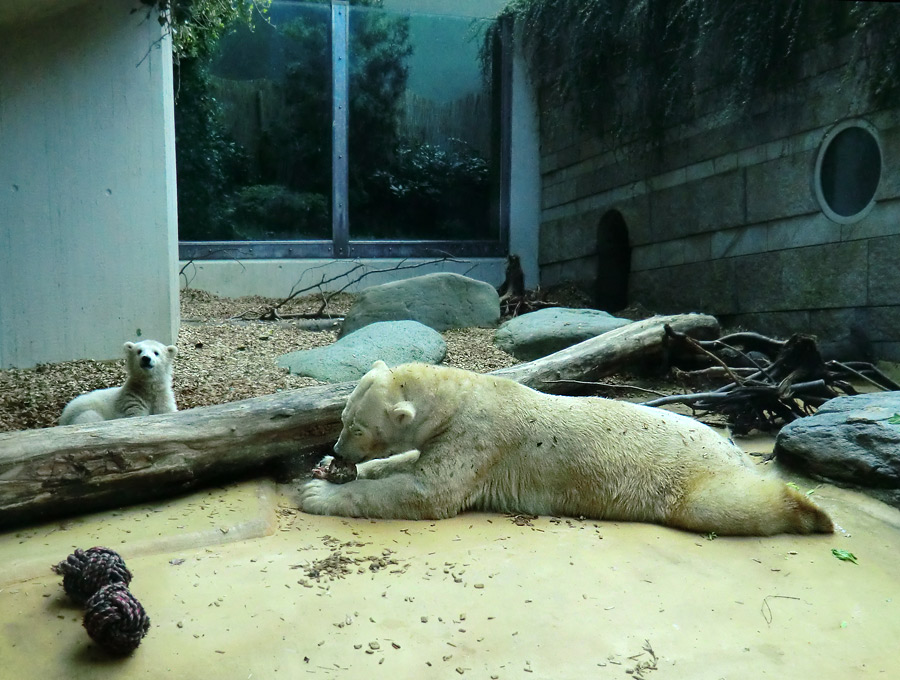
column 529, row 301
column 768, row 382
column 515, row 299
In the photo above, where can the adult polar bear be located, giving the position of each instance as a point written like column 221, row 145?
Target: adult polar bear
column 147, row 389
column 480, row 442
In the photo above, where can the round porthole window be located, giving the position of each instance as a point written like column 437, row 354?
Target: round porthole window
column 848, row 169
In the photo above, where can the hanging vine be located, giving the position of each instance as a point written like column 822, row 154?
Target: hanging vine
column 197, row 25
column 636, row 67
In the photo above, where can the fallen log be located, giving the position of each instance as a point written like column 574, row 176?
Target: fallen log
column 638, row 343
column 60, row 471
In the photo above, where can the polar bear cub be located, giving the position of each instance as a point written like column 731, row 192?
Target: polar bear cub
column 468, row 441
column 147, row 389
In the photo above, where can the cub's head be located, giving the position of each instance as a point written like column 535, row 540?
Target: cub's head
column 378, row 422
column 149, row 357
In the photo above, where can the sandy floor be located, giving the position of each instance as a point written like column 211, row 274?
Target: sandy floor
column 240, row 585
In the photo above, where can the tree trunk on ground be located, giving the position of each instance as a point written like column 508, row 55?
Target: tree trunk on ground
column 638, row 343
column 80, row 468
column 75, row 469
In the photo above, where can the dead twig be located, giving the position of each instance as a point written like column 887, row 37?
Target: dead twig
column 681, row 337
column 613, row 386
column 767, row 610
column 192, row 264
column 650, row 664
column 353, row 277
column 881, row 381
column 785, row 380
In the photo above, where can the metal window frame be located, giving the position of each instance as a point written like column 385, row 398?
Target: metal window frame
column 341, row 246
column 340, row 103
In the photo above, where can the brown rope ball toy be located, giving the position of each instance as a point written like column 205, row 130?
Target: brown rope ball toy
column 84, row 572
column 98, row 579
column 115, row 620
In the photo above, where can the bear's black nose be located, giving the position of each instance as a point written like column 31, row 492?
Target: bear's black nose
column 145, row 362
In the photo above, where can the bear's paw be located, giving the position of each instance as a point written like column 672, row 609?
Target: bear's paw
column 321, row 497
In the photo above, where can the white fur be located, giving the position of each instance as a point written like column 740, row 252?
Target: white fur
column 147, row 389
column 488, row 443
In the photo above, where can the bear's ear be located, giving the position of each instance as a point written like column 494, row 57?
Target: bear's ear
column 403, row 412
column 129, row 346
column 172, row 350
column 379, row 365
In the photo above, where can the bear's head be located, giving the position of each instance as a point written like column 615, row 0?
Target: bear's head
column 149, row 358
column 377, row 421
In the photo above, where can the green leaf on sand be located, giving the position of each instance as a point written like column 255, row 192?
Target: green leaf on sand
column 844, row 555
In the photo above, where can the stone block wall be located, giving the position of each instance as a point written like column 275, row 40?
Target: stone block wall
column 722, row 216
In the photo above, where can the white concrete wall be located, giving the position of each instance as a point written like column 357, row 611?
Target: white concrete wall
column 88, row 218
column 279, row 278
column 525, row 173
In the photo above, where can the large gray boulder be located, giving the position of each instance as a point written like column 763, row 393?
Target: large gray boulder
column 537, row 334
column 440, row 301
column 854, row 441
column 394, row 342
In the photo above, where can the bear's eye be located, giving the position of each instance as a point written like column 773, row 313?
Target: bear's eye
column 155, row 353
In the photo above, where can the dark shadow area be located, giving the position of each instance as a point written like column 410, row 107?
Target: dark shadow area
column 613, row 262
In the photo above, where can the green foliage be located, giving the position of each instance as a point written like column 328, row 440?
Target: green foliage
column 296, row 148
column 396, row 188
column 894, row 419
column 635, row 67
column 844, row 555
column 877, row 41
column 378, row 73
column 265, row 211
column 209, row 164
column 424, row 184
column 197, row 25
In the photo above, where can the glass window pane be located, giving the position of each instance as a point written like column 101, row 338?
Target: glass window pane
column 274, row 84
column 421, row 139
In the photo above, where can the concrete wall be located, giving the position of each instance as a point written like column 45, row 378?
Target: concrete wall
column 525, row 177
column 279, row 278
column 88, row 219
column 723, row 217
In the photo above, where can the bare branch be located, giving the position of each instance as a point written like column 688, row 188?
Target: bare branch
column 700, row 348
column 271, row 312
column 614, row 386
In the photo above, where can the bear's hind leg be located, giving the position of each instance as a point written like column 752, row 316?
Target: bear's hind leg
column 747, row 504
column 86, row 416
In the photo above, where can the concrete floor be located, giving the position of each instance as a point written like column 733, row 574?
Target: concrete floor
column 225, row 575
